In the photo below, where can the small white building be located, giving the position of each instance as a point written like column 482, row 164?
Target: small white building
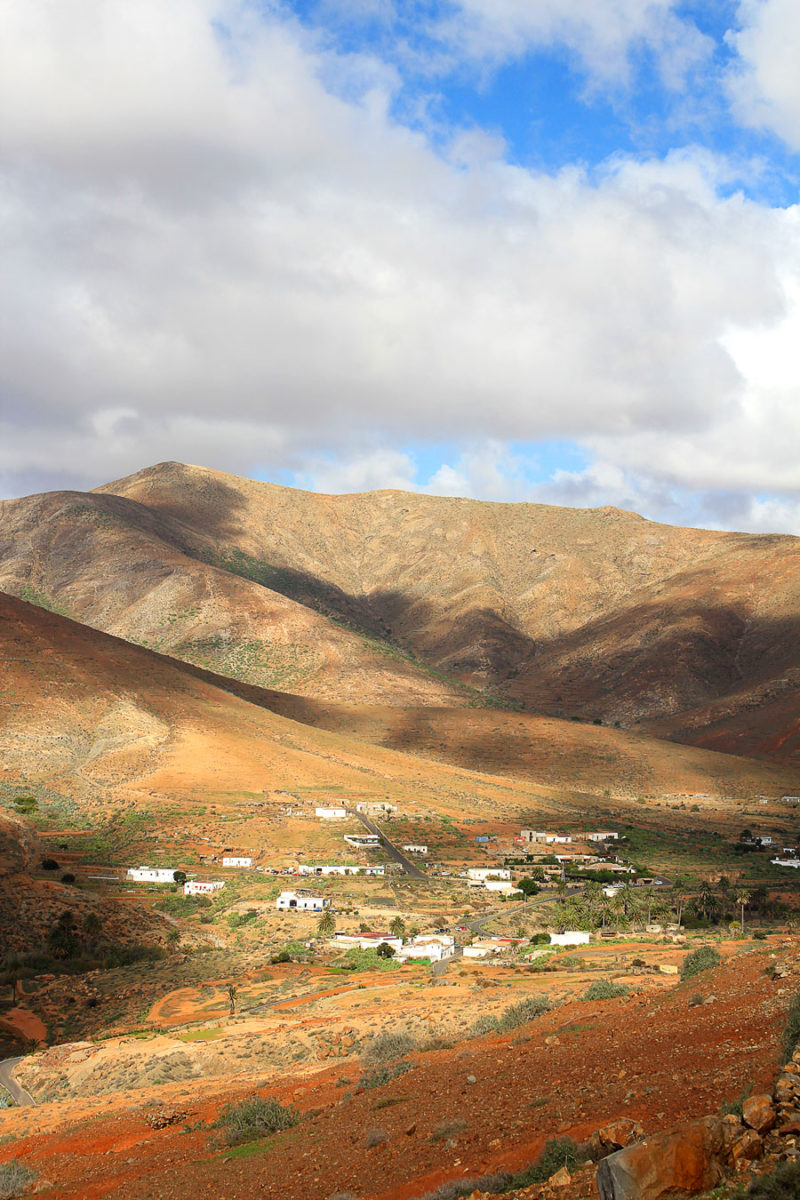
column 433, row 946
column 786, row 862
column 377, row 808
column 329, row 813
column 604, row 835
column 570, row 937
column 412, row 848
column 486, row 947
column 612, row 889
column 237, row 862
column 547, row 839
column 301, row 902
column 344, row 869
column 363, row 841
column 202, row 887
column 367, row 941
column 152, row 874
column 481, row 873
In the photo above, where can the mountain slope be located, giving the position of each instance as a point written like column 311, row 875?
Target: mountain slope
column 391, row 597
column 107, row 723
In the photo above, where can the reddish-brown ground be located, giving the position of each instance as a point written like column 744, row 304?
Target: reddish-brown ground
column 652, row 1057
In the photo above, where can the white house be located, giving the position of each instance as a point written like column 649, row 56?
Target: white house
column 612, row 889
column 237, row 862
column 570, row 937
column 605, row 835
column 363, row 841
column 481, row 873
column 549, row 839
column 308, row 869
column 301, row 902
column 786, row 862
column 367, row 941
column 152, row 874
column 411, row 848
column 434, row 946
column 202, row 887
column 328, row 813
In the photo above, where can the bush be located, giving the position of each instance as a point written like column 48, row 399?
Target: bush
column 604, row 989
column 701, row 959
column 388, row 1045
column 68, row 877
column 49, row 864
column 791, row 1030
column 540, row 939
column 248, row 1120
column 383, row 1074
column 781, row 1184
column 375, row 1137
column 454, row 1189
column 15, row 1178
column 557, row 1153
column 448, row 1128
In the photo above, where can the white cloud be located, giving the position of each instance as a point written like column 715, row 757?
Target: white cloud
column 765, row 82
column 210, row 256
column 602, row 36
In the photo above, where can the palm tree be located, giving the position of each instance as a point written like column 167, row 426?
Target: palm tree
column 678, row 898
column 397, row 926
column 326, row 924
column 706, row 899
column 232, row 998
column 742, row 898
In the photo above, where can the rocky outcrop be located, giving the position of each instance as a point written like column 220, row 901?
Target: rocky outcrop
column 682, row 1163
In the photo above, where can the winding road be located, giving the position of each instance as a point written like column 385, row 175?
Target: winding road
column 18, row 1093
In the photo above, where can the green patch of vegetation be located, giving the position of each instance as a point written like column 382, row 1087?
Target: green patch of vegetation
column 383, row 1074
column 16, row 1178
column 704, row 958
column 781, row 1184
column 791, row 1030
column 512, row 1017
column 369, row 960
column 31, row 595
column 604, row 989
column 200, row 1035
column 249, row 1120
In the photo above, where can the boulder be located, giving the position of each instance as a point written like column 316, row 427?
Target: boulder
column 614, row 1136
column 667, row 1166
column 759, row 1113
column 747, row 1148
column 561, row 1178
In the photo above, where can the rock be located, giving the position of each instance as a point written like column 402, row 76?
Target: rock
column 747, row 1148
column 673, row 1165
column 614, row 1136
column 759, row 1113
column 561, row 1178
column 411, row 1130
column 471, row 1079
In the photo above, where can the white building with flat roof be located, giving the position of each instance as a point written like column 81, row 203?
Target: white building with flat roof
column 237, row 862
column 152, row 874
column 367, row 941
column 330, row 813
column 481, row 873
column 345, row 869
column 413, row 848
column 301, row 902
column 363, row 841
column 570, row 937
column 202, row 887
column 432, row 946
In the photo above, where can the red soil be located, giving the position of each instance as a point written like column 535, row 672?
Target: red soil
column 650, row 1057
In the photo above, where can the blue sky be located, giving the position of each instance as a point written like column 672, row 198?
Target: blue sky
column 516, row 249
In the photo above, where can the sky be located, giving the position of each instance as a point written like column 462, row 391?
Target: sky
column 542, row 250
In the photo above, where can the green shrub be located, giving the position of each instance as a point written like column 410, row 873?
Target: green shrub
column 791, row 1030
column 701, row 959
column 388, row 1045
column 248, row 1120
column 540, row 939
column 378, row 1076
column 557, row 1153
column 781, row 1184
column 15, row 1178
column 512, row 1017
column 604, row 989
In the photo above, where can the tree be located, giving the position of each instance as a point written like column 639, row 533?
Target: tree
column 528, row 887
column 385, row 950
column 179, row 876
column 678, row 898
column 232, row 998
column 648, row 899
column 706, row 900
column 742, row 898
column 397, row 926
column 326, row 924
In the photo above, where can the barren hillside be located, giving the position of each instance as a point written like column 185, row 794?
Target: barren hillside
column 398, row 598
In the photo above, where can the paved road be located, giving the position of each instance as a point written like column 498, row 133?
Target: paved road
column 410, row 868
column 18, row 1093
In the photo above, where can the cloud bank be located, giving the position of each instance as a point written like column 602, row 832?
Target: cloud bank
column 222, row 245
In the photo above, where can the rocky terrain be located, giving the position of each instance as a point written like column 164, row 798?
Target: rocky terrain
column 404, row 599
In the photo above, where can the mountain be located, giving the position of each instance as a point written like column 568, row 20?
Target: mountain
column 94, row 723
column 411, row 600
